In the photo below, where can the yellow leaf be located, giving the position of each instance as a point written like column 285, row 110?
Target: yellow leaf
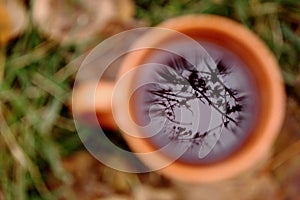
column 5, row 29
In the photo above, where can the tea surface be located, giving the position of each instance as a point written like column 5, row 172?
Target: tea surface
column 199, row 108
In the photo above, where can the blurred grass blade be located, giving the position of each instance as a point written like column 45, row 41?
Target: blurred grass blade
column 291, row 36
column 20, row 156
column 50, row 86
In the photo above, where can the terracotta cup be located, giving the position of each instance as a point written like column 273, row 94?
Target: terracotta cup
column 230, row 35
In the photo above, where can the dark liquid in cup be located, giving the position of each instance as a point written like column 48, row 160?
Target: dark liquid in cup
column 196, row 108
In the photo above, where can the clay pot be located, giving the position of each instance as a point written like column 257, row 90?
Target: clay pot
column 260, row 62
column 84, row 104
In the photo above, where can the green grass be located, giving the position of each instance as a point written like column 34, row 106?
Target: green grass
column 36, row 127
column 34, row 119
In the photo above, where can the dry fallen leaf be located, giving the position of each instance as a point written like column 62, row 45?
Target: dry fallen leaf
column 13, row 19
column 249, row 186
column 87, row 184
column 146, row 192
column 288, row 175
column 4, row 25
column 125, row 9
column 286, row 161
column 69, row 21
column 116, row 197
column 92, row 180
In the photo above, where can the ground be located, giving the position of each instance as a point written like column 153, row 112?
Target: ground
column 41, row 155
